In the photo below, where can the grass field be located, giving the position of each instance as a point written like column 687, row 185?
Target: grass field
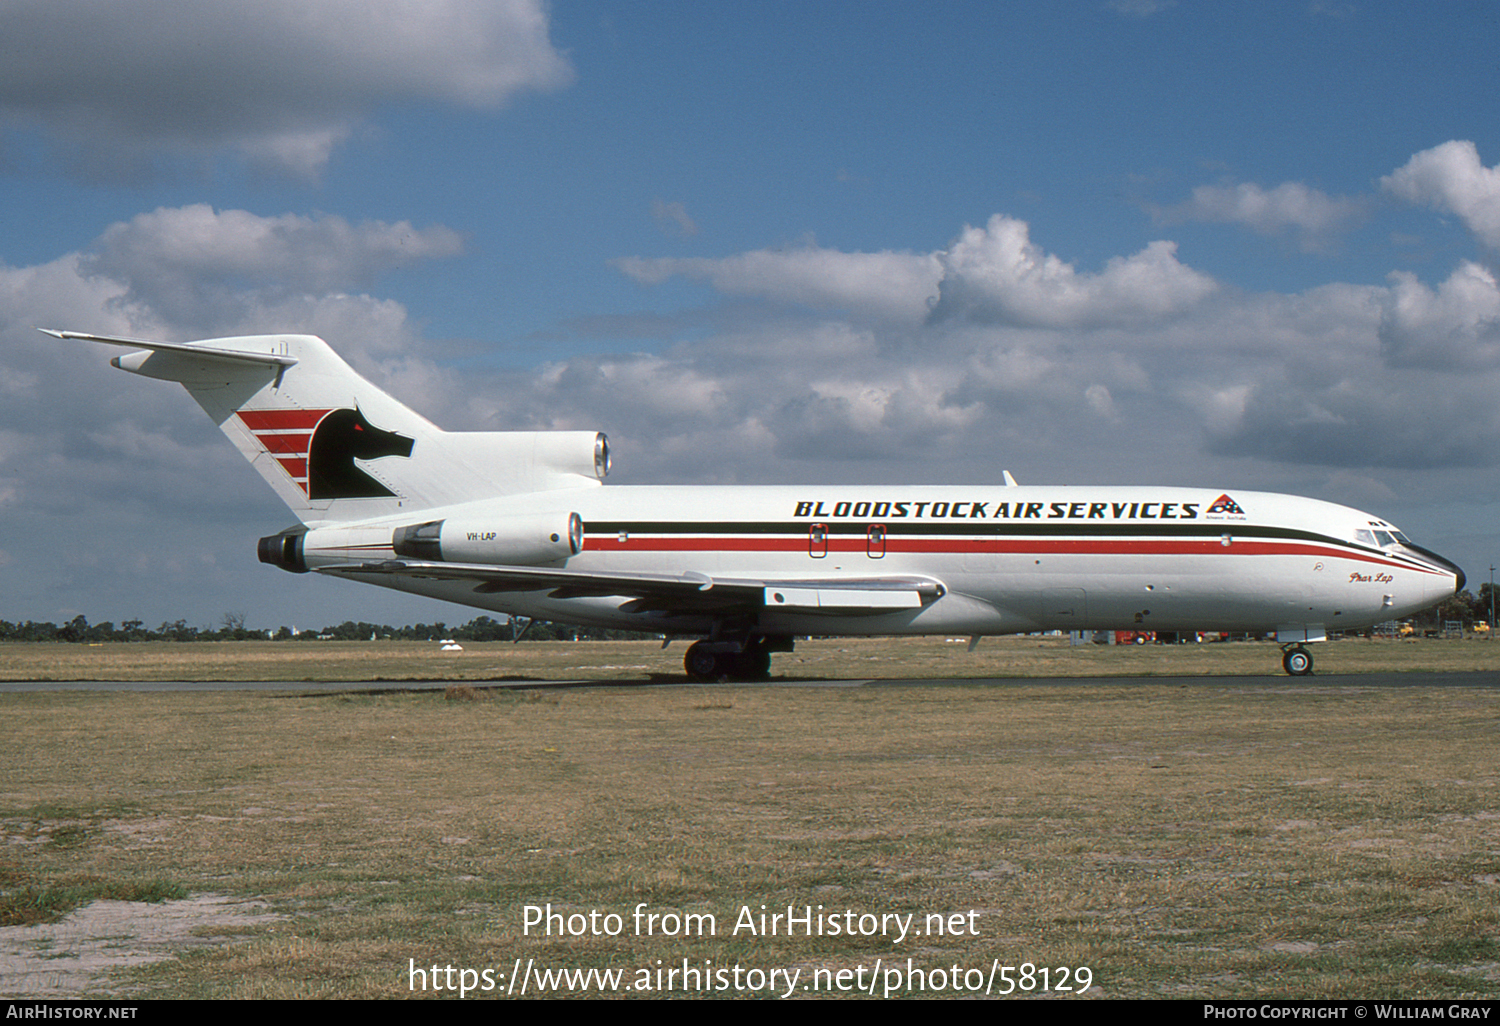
column 1241, row 838
column 845, row 658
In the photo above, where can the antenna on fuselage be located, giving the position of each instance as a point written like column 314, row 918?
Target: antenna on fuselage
column 1010, row 482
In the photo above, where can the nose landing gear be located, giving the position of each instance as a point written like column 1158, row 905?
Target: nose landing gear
column 1297, row 661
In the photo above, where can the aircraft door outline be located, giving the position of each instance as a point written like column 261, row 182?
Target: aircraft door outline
column 817, row 540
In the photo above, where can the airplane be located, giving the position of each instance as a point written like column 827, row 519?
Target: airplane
column 519, row 522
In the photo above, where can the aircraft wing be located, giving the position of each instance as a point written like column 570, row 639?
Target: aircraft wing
column 686, row 593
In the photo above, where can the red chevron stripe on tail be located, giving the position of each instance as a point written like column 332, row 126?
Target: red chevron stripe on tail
column 285, row 435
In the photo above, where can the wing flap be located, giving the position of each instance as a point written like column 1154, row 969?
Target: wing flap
column 687, row 592
column 809, row 599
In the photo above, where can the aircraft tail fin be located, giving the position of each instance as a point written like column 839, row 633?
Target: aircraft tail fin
column 335, row 447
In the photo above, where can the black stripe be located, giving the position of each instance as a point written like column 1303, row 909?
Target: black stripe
column 978, row 528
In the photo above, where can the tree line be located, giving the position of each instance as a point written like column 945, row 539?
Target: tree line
column 1466, row 607
column 231, row 627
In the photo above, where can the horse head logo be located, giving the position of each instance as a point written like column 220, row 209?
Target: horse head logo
column 340, row 438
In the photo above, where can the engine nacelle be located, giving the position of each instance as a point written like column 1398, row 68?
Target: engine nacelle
column 503, row 540
column 525, row 540
column 284, row 550
column 300, row 549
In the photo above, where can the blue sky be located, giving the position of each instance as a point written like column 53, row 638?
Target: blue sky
column 1241, row 245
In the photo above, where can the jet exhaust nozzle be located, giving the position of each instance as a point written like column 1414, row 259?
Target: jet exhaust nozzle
column 284, row 550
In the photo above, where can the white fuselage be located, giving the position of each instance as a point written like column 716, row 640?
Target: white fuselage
column 1009, row 559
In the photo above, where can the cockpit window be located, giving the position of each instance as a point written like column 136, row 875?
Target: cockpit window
column 1376, row 538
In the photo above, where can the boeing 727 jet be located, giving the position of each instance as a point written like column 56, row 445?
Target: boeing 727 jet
column 519, row 522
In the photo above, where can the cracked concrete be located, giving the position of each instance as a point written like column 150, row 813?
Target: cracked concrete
column 75, row 956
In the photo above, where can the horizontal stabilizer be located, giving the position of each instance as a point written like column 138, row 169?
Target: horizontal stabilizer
column 203, row 352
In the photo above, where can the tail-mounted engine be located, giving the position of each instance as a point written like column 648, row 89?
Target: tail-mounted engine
column 527, row 540
column 284, row 550
column 507, row 541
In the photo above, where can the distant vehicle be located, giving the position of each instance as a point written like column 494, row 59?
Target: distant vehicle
column 518, row 523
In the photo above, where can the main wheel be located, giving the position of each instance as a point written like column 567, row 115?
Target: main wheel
column 754, row 663
column 700, row 663
column 1297, row 661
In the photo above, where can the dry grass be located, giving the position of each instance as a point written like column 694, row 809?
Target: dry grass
column 1240, row 839
column 868, row 658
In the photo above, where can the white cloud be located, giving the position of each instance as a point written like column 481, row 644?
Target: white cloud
column 1025, row 351
column 1290, row 207
column 992, row 274
column 673, row 217
column 1100, row 400
column 1400, row 377
column 48, row 294
column 1139, row 8
column 318, row 253
column 885, row 285
column 1450, row 178
column 995, row 274
column 282, row 82
column 195, row 267
column 1455, row 327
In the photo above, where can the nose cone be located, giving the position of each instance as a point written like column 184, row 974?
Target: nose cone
column 1459, row 580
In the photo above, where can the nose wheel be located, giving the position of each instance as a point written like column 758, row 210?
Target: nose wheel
column 1297, row 661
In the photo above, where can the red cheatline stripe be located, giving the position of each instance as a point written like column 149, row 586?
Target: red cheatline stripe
column 960, row 546
column 296, row 467
column 281, row 420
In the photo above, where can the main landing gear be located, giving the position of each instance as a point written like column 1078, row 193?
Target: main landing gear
column 733, row 660
column 1297, row 661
